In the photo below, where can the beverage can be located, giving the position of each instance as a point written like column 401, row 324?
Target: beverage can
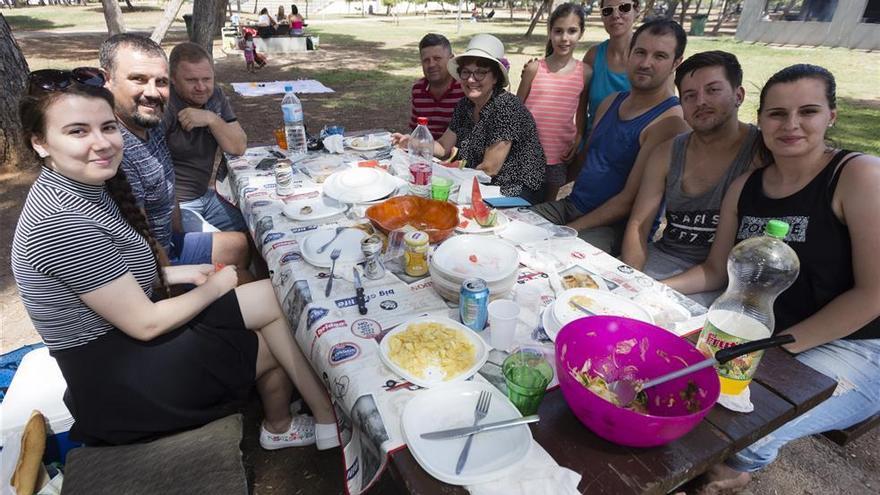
column 415, row 253
column 371, row 246
column 473, row 304
column 283, row 178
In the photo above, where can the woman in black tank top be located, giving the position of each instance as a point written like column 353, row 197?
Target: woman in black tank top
column 830, row 199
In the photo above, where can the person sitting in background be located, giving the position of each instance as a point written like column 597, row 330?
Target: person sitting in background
column 91, row 276
column 297, row 22
column 137, row 75
column 281, row 17
column 692, row 172
column 490, row 127
column 829, row 197
column 282, row 25
column 435, row 95
column 266, row 25
column 628, row 127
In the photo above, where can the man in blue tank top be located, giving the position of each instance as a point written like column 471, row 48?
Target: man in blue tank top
column 628, row 126
column 692, row 171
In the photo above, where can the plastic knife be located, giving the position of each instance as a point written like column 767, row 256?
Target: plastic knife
column 472, row 430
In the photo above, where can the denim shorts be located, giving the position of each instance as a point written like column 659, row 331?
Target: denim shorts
column 217, row 212
column 191, row 248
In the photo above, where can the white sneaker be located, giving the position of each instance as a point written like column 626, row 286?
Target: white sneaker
column 300, row 433
column 326, row 436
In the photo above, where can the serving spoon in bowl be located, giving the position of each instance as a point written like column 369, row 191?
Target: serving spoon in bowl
column 627, row 390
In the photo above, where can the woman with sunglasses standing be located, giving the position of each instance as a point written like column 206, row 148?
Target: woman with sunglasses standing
column 90, row 274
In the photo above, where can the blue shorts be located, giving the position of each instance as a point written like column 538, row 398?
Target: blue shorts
column 217, row 212
column 191, row 248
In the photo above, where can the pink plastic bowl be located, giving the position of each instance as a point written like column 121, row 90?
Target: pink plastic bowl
column 620, row 347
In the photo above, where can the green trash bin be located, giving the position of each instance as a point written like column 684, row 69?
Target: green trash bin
column 188, row 20
column 698, row 24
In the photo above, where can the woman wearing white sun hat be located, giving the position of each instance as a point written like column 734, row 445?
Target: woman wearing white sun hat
column 490, row 127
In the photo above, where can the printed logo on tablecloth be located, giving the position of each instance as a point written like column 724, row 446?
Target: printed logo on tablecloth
column 287, row 258
column 316, row 314
column 326, row 327
column 352, row 471
column 578, row 255
column 526, row 275
column 366, row 328
column 388, row 304
column 248, row 190
column 625, row 269
column 340, row 386
column 342, row 352
column 272, row 236
column 285, row 243
column 259, row 204
column 298, row 230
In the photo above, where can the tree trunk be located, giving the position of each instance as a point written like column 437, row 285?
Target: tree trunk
column 544, row 5
column 113, row 17
column 647, row 9
column 684, row 8
column 697, row 8
column 129, row 5
column 204, row 22
column 167, row 19
column 720, row 17
column 15, row 70
column 221, row 16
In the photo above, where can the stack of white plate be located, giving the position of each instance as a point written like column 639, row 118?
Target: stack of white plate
column 473, row 256
column 599, row 302
column 360, row 185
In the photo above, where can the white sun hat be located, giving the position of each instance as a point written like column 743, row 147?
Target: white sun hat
column 482, row 46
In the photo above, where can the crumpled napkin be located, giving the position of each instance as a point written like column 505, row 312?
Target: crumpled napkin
column 334, row 144
column 739, row 403
column 538, row 475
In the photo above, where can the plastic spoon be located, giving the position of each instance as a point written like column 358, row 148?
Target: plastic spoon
column 626, row 390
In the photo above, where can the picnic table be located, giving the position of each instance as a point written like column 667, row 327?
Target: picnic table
column 368, row 398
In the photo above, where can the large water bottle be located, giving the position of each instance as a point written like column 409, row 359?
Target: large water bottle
column 421, row 157
column 758, row 270
column 294, row 124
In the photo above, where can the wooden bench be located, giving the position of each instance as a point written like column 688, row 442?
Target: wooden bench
column 843, row 437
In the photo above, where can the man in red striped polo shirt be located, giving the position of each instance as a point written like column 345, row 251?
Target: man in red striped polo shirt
column 435, row 95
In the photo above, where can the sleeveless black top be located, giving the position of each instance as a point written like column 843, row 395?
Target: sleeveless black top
column 819, row 238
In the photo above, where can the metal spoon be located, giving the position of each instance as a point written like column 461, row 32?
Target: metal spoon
column 334, row 255
column 327, row 244
column 626, row 390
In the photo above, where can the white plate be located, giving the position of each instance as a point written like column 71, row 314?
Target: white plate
column 361, row 143
column 360, row 184
column 435, row 376
column 473, row 227
column 349, row 241
column 467, row 256
column 311, row 205
column 551, row 328
column 493, row 454
column 603, row 303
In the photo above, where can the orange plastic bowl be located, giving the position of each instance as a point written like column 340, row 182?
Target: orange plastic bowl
column 436, row 218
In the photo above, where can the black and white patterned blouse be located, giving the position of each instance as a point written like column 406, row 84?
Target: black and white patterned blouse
column 504, row 118
column 71, row 239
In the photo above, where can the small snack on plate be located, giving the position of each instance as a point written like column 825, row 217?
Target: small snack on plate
column 306, row 210
column 427, row 344
column 583, row 301
column 573, row 280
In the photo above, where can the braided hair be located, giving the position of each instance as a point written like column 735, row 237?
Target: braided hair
column 32, row 110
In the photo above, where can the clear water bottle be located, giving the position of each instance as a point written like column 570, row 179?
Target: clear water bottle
column 758, row 270
column 421, row 158
column 294, row 124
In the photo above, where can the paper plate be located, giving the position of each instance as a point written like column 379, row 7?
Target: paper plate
column 493, row 454
column 357, row 185
column 472, row 227
column 600, row 302
column 435, row 376
column 368, row 143
column 312, row 205
column 551, row 327
column 466, row 256
column 349, row 241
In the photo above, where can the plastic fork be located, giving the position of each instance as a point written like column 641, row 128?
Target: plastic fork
column 479, row 414
column 327, row 244
column 334, row 255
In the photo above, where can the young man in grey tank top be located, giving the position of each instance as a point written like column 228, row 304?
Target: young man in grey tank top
column 692, row 171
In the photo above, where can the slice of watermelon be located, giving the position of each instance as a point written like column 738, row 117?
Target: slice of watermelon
column 456, row 164
column 482, row 214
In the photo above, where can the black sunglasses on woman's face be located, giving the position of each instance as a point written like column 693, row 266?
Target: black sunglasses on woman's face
column 59, row 80
column 622, row 8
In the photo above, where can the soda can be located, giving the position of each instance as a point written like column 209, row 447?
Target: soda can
column 283, row 178
column 474, row 304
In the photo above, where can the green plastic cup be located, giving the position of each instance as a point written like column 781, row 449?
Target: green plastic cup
column 440, row 187
column 527, row 374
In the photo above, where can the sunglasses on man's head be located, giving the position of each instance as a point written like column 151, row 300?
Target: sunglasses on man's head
column 622, row 8
column 59, row 80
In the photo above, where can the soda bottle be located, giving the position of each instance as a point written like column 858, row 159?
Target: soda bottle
column 294, row 124
column 758, row 270
column 421, row 157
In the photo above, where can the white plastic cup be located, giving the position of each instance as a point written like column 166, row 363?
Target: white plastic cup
column 503, row 314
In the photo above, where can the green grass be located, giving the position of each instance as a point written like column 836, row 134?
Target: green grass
column 84, row 17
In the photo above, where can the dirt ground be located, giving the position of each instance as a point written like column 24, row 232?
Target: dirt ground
column 809, row 466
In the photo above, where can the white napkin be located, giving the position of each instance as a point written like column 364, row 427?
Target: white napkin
column 333, row 143
column 538, row 475
column 740, row 403
column 465, row 189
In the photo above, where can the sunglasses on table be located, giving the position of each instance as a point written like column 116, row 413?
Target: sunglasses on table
column 622, row 8
column 478, row 75
column 59, row 80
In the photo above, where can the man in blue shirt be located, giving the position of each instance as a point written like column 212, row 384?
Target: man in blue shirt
column 628, row 126
column 137, row 75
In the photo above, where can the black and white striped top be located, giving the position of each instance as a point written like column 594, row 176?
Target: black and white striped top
column 71, row 239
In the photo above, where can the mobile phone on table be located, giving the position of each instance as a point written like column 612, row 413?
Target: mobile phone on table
column 506, row 202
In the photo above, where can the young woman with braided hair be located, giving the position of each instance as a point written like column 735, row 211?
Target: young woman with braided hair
column 139, row 366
